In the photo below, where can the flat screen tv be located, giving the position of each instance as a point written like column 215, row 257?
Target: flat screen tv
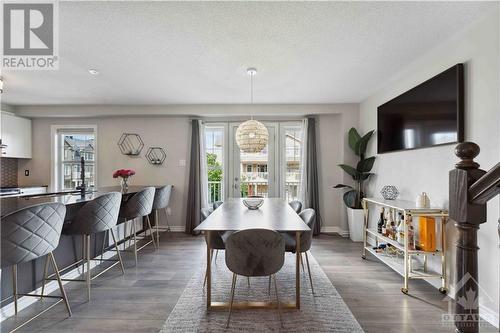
column 428, row 115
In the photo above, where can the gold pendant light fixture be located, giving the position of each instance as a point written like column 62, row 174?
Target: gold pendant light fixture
column 252, row 136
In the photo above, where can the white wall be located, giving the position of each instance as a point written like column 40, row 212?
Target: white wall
column 427, row 169
column 173, row 133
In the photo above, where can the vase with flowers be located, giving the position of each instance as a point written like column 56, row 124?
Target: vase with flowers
column 124, row 175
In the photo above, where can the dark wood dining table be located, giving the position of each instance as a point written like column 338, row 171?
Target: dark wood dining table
column 232, row 215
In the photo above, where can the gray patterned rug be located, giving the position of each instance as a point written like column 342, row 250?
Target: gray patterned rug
column 323, row 312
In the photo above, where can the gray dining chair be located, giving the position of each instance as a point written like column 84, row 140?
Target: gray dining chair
column 296, row 206
column 138, row 206
column 217, row 204
column 161, row 202
column 254, row 252
column 216, row 242
column 96, row 216
column 29, row 234
column 309, row 217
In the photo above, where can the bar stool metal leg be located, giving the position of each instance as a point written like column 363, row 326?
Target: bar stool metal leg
column 309, row 270
column 151, row 231
column 278, row 299
column 14, row 287
column 232, row 299
column 45, row 271
column 135, row 242
column 88, row 265
column 166, row 219
column 104, row 242
column 61, row 288
column 117, row 251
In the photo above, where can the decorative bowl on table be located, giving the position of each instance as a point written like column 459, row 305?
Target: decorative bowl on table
column 389, row 192
column 253, row 203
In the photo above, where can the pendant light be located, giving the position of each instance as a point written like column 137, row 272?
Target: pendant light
column 252, row 136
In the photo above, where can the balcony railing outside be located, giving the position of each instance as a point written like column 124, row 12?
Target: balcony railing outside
column 215, row 190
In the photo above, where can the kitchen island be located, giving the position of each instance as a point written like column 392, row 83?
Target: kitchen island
column 30, row 274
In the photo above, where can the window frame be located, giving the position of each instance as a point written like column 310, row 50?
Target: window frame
column 55, row 169
column 224, row 127
column 282, row 147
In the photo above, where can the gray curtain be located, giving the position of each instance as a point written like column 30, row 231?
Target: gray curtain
column 193, row 216
column 312, row 173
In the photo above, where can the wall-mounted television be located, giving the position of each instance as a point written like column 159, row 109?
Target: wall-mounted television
column 428, row 115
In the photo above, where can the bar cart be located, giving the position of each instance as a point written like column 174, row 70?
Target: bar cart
column 405, row 269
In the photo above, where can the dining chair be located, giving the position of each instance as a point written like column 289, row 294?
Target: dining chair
column 216, row 242
column 254, row 252
column 29, row 234
column 296, row 206
column 217, row 204
column 309, row 217
column 138, row 206
column 161, row 202
column 96, row 216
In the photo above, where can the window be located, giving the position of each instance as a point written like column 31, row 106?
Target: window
column 249, row 168
column 292, row 147
column 214, row 147
column 71, row 144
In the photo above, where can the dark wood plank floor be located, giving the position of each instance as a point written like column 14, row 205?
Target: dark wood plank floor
column 141, row 300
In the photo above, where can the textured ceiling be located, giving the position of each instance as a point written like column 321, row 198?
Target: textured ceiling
column 197, row 52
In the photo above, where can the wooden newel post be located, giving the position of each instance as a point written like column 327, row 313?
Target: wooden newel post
column 467, row 216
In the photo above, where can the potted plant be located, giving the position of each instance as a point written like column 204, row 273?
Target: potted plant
column 360, row 174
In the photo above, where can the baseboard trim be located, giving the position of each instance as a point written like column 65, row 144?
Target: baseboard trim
column 335, row 230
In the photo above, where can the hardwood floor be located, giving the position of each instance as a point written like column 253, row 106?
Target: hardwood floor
column 141, row 300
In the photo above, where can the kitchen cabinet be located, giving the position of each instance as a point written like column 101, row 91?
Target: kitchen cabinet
column 15, row 135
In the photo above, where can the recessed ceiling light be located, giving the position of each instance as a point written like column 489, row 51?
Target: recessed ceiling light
column 93, row 71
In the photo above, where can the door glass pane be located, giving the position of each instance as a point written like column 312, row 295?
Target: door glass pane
column 253, row 173
column 292, row 156
column 214, row 147
column 75, row 146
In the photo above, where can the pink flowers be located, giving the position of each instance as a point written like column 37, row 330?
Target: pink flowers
column 123, row 173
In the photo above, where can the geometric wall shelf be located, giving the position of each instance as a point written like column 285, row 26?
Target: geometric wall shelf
column 130, row 144
column 156, row 155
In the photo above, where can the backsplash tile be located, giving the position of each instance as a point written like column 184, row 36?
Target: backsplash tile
column 8, row 172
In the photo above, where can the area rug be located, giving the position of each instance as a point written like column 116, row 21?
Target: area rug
column 325, row 311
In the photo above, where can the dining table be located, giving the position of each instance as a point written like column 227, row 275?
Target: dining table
column 233, row 215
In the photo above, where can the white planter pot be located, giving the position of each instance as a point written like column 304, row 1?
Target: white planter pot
column 355, row 219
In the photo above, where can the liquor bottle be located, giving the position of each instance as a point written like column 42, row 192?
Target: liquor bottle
column 400, row 232
column 427, row 233
column 384, row 227
column 393, row 231
column 411, row 238
column 380, row 223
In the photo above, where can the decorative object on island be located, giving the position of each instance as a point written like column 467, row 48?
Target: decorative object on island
column 124, row 175
column 130, row 144
column 252, row 136
column 389, row 192
column 253, row 203
column 423, row 200
column 410, row 268
column 360, row 174
column 156, row 155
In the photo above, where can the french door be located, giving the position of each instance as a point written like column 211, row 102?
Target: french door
column 253, row 174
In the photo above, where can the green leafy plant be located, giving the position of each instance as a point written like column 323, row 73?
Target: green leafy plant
column 360, row 173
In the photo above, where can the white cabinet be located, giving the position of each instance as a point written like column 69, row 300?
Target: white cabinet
column 16, row 136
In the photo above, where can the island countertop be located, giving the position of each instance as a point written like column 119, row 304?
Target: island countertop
column 12, row 204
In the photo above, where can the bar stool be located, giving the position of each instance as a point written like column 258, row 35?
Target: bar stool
column 296, row 206
column 96, row 216
column 309, row 217
column 139, row 205
column 255, row 252
column 161, row 202
column 29, row 234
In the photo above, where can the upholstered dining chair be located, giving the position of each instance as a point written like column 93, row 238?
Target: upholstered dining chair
column 161, row 203
column 296, row 206
column 96, row 216
column 29, row 234
column 309, row 217
column 254, row 252
column 217, row 204
column 138, row 206
column 216, row 242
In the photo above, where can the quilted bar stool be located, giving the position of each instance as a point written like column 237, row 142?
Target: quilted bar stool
column 29, row 234
column 96, row 216
column 160, row 203
column 255, row 252
column 296, row 206
column 309, row 217
column 138, row 206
